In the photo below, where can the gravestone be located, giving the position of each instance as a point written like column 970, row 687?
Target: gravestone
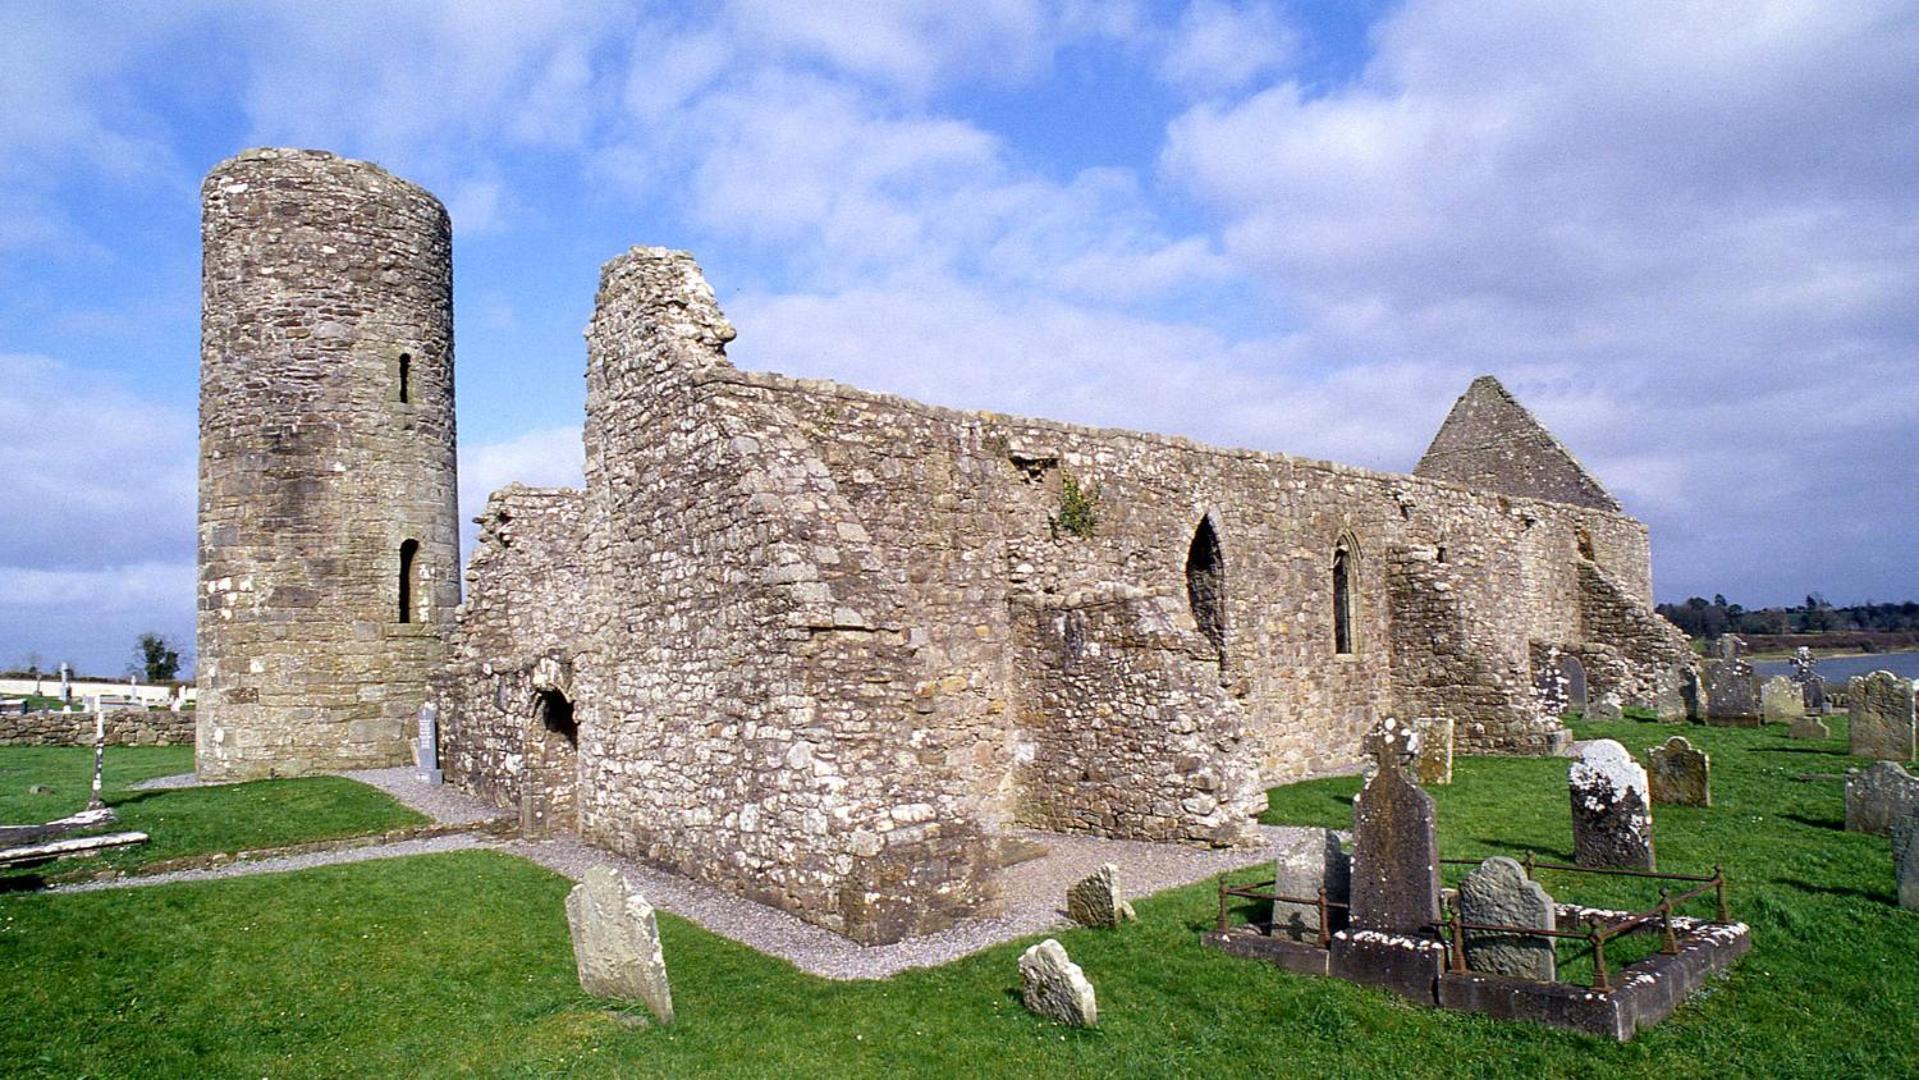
column 1612, row 811
column 1051, row 985
column 1499, row 893
column 66, row 683
column 1309, row 861
column 1572, row 675
column 1881, row 708
column 427, row 747
column 1879, row 795
column 1433, row 750
column 1781, row 701
column 616, row 942
column 1732, row 694
column 1808, row 727
column 1559, row 679
column 1605, row 709
column 1805, row 674
column 1395, row 872
column 1905, row 859
column 1392, row 743
column 1728, row 647
column 1096, row 901
column 1679, row 774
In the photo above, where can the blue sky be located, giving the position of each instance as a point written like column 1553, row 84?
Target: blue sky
column 1687, row 235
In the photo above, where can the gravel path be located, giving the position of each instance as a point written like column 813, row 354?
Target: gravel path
column 457, row 842
column 445, row 804
column 1035, row 895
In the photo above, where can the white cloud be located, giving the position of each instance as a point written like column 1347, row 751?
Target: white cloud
column 1220, row 46
column 543, row 457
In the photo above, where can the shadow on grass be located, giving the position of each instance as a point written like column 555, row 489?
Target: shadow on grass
column 1876, row 895
column 1815, row 823
column 1823, row 750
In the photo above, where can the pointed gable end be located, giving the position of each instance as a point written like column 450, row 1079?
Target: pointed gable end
column 1490, row 441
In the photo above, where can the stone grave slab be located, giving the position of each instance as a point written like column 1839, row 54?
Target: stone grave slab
column 1781, row 701
column 1433, row 750
column 1606, row 709
column 1878, row 796
column 1499, row 892
column 1905, row 859
column 1054, row 987
column 1611, row 808
column 1395, row 874
column 1732, row 693
column 1808, row 727
column 1306, row 863
column 1881, row 708
column 1679, row 774
column 616, row 942
column 1096, row 900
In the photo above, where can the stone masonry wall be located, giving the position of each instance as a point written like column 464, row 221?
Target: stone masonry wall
column 323, row 279
column 125, row 727
column 522, row 629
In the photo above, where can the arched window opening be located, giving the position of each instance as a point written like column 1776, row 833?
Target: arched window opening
column 406, row 378
column 1583, row 540
column 1439, row 553
column 409, row 557
column 1206, row 585
column 556, row 716
column 1342, row 599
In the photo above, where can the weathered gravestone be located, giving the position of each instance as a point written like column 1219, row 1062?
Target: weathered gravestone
column 1808, row 727
column 1559, row 679
column 1612, row 811
column 1605, row 709
column 1395, row 874
column 1433, row 750
column 1051, row 985
column 1309, row 861
column 1878, row 795
column 1881, row 710
column 426, row 750
column 1805, row 674
column 1096, row 901
column 1499, row 893
column 1905, row 859
column 1781, row 701
column 1732, row 693
column 616, row 942
column 1679, row 774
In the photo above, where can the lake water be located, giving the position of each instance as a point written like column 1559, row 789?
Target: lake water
column 1838, row 669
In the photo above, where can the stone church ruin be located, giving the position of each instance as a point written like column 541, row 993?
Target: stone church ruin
column 822, row 646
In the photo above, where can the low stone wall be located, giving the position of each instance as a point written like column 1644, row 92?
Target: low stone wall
column 125, row 727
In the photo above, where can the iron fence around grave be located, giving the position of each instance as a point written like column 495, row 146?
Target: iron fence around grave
column 1602, row 927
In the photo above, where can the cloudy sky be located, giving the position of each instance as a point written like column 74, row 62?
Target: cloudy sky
column 1687, row 235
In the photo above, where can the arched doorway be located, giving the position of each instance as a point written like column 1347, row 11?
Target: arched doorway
column 549, row 795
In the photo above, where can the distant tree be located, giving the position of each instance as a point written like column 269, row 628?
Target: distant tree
column 158, row 660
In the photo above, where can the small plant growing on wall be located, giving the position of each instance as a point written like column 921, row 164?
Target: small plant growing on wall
column 1078, row 508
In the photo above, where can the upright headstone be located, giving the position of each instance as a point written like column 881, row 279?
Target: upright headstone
column 1612, row 808
column 1395, row 883
column 1559, row 679
column 1309, row 861
column 1881, row 709
column 1051, row 985
column 1433, row 750
column 1808, row 727
column 1096, row 901
column 1498, row 893
column 1905, row 859
column 1878, row 795
column 426, row 750
column 1606, row 709
column 1781, row 701
column 96, row 800
column 1805, row 674
column 616, row 942
column 1572, row 675
column 1732, row 693
column 1679, row 774
column 66, row 683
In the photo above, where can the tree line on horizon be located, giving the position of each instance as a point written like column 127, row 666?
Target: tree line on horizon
column 1702, row 618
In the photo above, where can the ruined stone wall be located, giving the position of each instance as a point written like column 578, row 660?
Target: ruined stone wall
column 125, row 727
column 526, row 621
column 323, row 279
column 1654, row 657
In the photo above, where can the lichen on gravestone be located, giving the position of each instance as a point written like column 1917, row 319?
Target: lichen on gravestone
column 1611, row 808
column 1498, row 893
column 1095, row 901
column 1055, row 987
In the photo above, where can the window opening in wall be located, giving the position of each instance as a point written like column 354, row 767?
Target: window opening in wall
column 1439, row 553
column 1206, row 585
column 1342, row 599
column 406, row 378
column 556, row 715
column 409, row 555
column 1583, row 540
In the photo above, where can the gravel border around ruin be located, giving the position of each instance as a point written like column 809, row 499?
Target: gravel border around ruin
column 431, row 846
column 1035, row 898
column 444, row 803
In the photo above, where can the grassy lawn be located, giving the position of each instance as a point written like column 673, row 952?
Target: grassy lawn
column 460, row 963
column 188, row 821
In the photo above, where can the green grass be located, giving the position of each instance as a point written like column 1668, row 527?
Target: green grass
column 187, row 821
column 460, row 964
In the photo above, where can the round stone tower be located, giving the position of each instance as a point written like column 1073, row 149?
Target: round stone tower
column 329, row 536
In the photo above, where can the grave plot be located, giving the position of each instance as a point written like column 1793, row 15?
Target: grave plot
column 1490, row 947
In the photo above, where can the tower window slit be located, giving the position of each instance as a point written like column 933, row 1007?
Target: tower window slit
column 409, row 552
column 406, row 378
